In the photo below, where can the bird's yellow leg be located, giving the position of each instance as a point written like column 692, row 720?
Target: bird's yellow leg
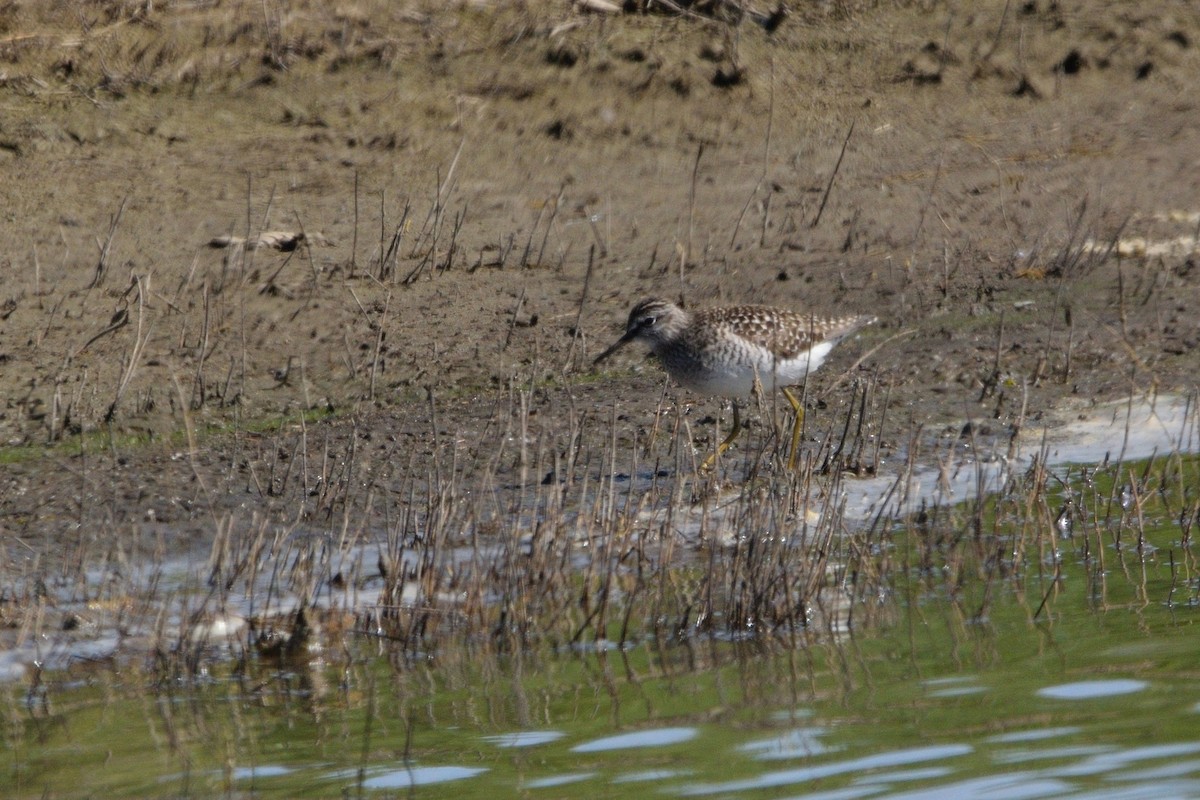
column 794, row 454
column 711, row 460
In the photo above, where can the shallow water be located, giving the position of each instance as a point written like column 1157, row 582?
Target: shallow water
column 1095, row 700
column 1076, row 677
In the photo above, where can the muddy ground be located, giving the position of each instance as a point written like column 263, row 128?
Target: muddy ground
column 1012, row 186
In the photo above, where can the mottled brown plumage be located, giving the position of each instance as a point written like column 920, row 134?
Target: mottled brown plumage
column 727, row 350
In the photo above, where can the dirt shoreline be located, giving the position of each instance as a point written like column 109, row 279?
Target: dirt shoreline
column 996, row 183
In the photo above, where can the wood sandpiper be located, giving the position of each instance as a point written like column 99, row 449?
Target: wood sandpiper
column 729, row 350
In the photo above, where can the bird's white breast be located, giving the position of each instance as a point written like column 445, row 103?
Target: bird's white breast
column 725, row 377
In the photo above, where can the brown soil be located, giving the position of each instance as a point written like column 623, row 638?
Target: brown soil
column 964, row 175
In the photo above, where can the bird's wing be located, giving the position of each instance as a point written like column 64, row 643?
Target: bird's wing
column 785, row 333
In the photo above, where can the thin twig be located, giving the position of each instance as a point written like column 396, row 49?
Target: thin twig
column 687, row 254
column 106, row 248
column 135, row 355
column 354, row 238
column 512, row 323
column 576, row 334
column 836, row 167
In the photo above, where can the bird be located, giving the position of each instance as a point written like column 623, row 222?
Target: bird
column 728, row 351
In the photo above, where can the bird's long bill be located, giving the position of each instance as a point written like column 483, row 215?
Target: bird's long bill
column 617, row 345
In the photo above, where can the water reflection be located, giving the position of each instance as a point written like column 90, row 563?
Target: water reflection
column 648, row 776
column 650, row 738
column 1048, row 753
column 1114, row 760
column 722, row 723
column 972, row 674
column 954, row 687
column 558, row 780
column 1016, row 786
column 252, row 773
column 524, row 738
column 1089, row 690
column 420, row 776
column 906, row 775
column 793, row 744
column 1032, row 735
column 851, row 766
